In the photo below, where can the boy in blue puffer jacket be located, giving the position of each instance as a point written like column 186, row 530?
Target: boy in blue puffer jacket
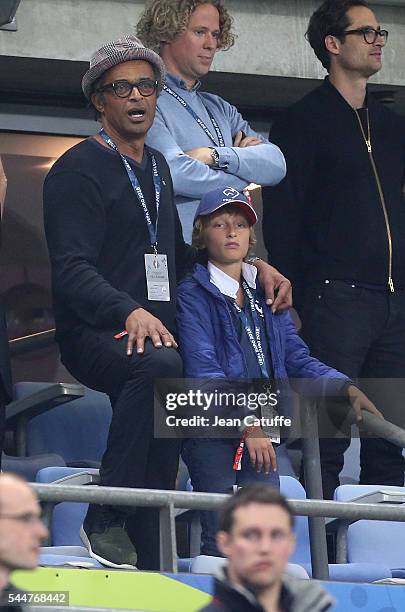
column 226, row 331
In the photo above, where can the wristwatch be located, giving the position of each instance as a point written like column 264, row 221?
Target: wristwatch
column 215, row 158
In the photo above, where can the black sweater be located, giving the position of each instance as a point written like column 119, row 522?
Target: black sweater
column 97, row 237
column 325, row 219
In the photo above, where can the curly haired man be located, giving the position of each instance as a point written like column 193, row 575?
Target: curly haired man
column 206, row 142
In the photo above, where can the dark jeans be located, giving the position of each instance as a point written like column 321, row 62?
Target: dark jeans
column 360, row 332
column 133, row 458
column 210, row 465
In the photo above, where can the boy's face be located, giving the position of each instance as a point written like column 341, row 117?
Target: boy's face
column 226, row 236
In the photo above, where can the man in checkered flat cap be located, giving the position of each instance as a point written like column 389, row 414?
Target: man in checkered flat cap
column 109, row 215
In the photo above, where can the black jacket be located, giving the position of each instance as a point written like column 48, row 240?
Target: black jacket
column 325, row 219
column 97, row 237
column 296, row 596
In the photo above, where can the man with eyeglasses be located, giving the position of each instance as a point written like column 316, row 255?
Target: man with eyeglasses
column 116, row 248
column 336, row 226
column 21, row 534
column 256, row 536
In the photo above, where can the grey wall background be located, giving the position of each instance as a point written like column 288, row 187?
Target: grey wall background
column 270, row 34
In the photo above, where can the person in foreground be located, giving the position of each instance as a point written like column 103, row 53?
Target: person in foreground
column 21, row 533
column 117, row 251
column 256, row 536
column 226, row 331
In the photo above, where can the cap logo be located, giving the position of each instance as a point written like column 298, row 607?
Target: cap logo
column 230, row 192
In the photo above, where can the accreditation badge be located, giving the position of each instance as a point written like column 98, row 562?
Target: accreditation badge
column 157, row 277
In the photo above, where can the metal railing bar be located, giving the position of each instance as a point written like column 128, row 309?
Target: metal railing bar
column 154, row 498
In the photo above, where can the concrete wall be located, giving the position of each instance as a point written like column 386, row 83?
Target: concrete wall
column 270, row 34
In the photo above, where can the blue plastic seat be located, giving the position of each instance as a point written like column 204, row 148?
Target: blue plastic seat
column 346, row 572
column 77, row 431
column 67, row 518
column 28, row 467
column 291, row 488
column 204, row 564
column 368, row 539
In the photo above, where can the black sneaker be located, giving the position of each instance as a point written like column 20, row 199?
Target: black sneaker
column 104, row 535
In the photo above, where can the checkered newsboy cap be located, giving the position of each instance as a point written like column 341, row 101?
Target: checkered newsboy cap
column 124, row 49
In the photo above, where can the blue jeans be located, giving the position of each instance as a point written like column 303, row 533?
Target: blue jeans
column 210, row 465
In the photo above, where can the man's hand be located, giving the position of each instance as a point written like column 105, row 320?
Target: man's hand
column 201, row 154
column 261, row 451
column 140, row 324
column 246, row 141
column 359, row 401
column 271, row 280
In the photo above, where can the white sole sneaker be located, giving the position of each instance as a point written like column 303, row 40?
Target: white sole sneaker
column 86, row 542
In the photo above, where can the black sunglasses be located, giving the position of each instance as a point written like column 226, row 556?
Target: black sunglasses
column 123, row 88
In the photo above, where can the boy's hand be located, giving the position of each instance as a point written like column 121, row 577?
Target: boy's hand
column 271, row 280
column 261, row 451
column 360, row 401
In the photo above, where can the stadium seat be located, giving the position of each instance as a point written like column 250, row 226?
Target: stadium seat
column 28, row 467
column 67, row 517
column 31, row 400
column 291, row 488
column 77, row 431
column 346, row 572
column 71, row 556
column 374, row 539
column 204, row 564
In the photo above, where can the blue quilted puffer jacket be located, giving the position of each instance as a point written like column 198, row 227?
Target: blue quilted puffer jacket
column 209, row 345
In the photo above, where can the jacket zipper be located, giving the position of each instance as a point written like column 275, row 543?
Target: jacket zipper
column 367, row 140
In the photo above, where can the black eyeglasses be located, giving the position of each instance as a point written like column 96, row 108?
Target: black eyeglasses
column 27, row 518
column 370, row 34
column 123, row 88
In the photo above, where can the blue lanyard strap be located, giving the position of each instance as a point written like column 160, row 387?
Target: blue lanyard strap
column 200, row 122
column 254, row 338
column 152, row 229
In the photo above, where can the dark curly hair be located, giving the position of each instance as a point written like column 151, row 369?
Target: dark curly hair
column 330, row 18
column 163, row 20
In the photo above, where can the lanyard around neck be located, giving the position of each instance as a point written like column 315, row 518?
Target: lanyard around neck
column 191, row 111
column 254, row 338
column 152, row 229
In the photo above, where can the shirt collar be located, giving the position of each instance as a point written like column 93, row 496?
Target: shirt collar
column 173, row 80
column 332, row 89
column 228, row 285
